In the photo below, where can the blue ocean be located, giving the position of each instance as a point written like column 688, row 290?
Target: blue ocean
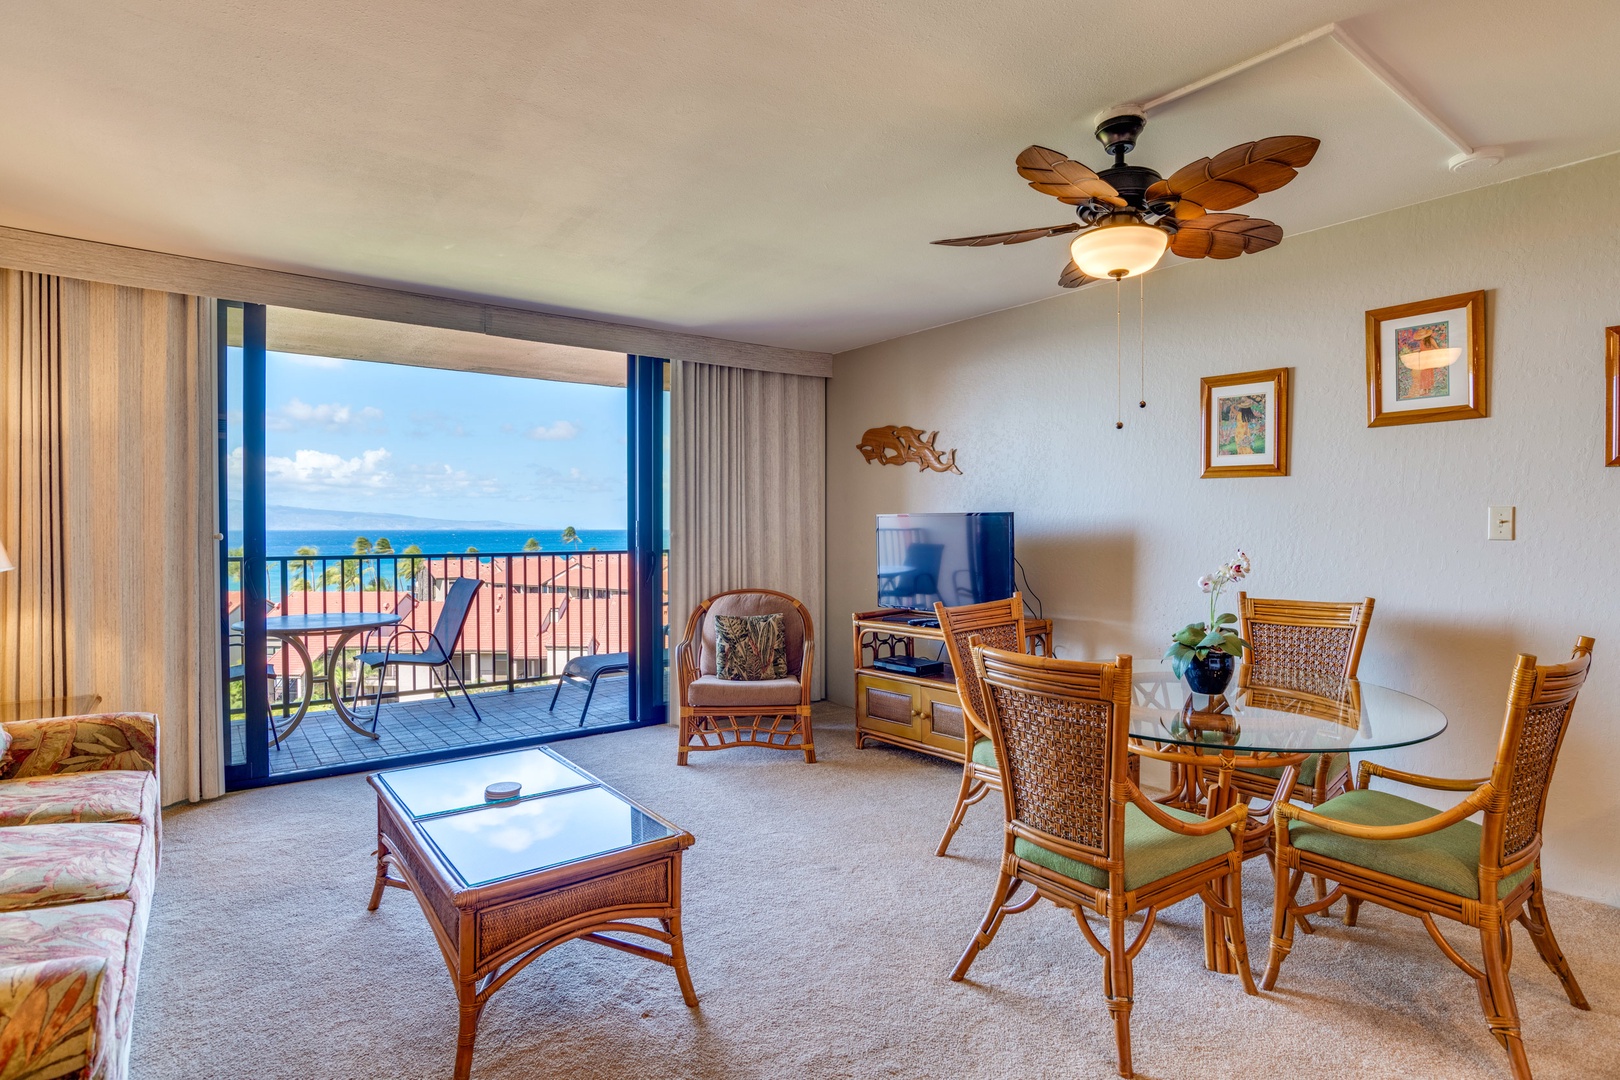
column 332, row 542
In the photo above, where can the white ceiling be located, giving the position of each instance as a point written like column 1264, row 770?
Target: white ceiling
column 750, row 169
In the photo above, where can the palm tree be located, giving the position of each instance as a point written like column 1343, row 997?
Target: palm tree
column 471, row 550
column 531, row 544
column 300, row 570
column 415, row 569
column 570, row 536
column 362, row 546
column 384, row 546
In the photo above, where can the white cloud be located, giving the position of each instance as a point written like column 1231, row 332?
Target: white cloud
column 296, row 415
column 562, row 429
column 440, row 479
column 317, row 470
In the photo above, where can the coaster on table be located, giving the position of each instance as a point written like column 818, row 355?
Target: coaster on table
column 506, row 789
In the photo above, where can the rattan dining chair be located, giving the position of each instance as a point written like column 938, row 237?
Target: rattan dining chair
column 1305, row 646
column 1081, row 834
column 998, row 624
column 1386, row 850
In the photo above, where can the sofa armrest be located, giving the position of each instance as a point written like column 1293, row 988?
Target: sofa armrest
column 88, row 743
column 52, row 1017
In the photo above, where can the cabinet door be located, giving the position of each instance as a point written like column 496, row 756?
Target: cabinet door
column 890, row 707
column 943, row 724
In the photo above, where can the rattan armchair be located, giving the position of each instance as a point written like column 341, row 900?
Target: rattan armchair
column 1412, row 858
column 716, row 713
column 999, row 625
column 1310, row 647
column 1081, row 834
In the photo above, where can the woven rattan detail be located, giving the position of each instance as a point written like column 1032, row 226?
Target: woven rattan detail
column 1532, row 772
column 1057, row 763
column 449, row 915
column 503, row 926
column 715, row 730
column 996, row 636
column 1312, row 659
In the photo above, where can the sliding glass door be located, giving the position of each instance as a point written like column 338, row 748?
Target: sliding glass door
column 368, row 504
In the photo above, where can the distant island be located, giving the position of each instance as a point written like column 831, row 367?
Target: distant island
column 305, row 517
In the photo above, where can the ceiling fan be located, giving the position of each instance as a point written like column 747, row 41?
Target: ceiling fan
column 1129, row 215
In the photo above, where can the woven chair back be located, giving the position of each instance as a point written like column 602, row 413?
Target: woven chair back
column 1059, row 728
column 1541, row 701
column 1307, row 645
column 998, row 624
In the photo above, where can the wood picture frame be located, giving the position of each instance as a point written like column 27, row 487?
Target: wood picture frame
column 1398, row 393
column 1611, row 427
column 1245, row 420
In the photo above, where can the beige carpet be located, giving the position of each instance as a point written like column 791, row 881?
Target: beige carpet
column 821, row 929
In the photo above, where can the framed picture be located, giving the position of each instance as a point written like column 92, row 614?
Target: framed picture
column 1426, row 361
column 1245, row 419
column 1611, row 431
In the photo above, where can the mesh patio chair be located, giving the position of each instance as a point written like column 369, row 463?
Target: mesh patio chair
column 436, row 647
column 1382, row 849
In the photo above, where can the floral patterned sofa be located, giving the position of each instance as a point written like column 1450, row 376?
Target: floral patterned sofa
column 79, row 834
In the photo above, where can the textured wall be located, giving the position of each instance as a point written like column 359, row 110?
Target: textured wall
column 1115, row 527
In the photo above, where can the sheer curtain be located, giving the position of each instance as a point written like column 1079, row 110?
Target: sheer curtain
column 108, row 475
column 748, row 490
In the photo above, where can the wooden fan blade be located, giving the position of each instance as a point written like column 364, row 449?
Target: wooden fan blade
column 1241, row 174
column 1225, row 236
column 1050, row 173
column 1072, row 277
column 1022, row 236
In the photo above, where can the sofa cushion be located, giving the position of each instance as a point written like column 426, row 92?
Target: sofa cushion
column 750, row 648
column 1152, row 851
column 1447, row 860
column 753, row 604
column 5, row 742
column 42, row 865
column 984, row 752
column 67, row 989
column 711, row 692
column 87, row 743
column 116, row 795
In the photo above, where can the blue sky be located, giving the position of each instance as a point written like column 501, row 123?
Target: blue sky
column 355, row 436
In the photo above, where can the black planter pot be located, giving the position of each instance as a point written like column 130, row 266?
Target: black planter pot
column 1210, row 675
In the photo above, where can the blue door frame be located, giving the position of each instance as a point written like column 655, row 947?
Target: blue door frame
column 646, row 394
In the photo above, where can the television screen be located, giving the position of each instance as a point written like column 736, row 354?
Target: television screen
column 954, row 558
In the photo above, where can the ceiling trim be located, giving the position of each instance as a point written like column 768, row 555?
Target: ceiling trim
column 22, row 249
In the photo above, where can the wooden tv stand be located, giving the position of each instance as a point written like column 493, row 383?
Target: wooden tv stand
column 918, row 712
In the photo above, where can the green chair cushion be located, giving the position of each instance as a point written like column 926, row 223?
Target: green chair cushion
column 1447, row 860
column 1307, row 769
column 984, row 753
column 1152, row 851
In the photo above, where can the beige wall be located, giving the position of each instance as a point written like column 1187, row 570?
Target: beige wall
column 1115, row 527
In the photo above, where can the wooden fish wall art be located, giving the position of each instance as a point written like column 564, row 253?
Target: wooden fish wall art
column 906, row 445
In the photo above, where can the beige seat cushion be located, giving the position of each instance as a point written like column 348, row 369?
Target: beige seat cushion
column 710, row 692
column 112, row 795
column 754, row 604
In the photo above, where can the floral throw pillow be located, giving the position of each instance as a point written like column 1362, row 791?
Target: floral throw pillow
column 749, row 648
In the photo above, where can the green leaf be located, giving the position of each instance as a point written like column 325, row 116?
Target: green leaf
column 1224, row 618
column 1213, row 640
column 1189, row 635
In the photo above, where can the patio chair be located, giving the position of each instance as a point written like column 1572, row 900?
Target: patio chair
column 590, row 668
column 437, row 646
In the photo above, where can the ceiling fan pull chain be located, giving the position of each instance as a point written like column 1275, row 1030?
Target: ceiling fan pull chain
column 1119, row 356
column 1142, row 333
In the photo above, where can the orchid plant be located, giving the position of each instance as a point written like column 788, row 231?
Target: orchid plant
column 1195, row 641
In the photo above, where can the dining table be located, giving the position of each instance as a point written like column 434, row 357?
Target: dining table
column 341, row 626
column 1274, row 718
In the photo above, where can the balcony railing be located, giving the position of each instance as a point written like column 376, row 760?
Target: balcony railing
column 533, row 613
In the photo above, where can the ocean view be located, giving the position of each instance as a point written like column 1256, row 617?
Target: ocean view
column 332, row 542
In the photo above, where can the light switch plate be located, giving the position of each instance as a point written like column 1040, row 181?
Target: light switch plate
column 1501, row 523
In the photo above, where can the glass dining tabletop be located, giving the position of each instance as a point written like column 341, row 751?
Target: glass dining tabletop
column 325, row 622
column 1290, row 712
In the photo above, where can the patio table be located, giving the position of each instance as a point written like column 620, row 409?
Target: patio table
column 293, row 629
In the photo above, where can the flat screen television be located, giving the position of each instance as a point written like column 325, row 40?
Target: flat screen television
column 954, row 558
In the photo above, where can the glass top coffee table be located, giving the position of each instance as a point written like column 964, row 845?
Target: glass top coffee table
column 504, row 881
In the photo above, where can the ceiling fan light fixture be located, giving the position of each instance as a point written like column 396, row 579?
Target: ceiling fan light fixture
column 1121, row 247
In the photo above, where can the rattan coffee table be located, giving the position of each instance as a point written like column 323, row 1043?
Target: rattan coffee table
column 502, row 883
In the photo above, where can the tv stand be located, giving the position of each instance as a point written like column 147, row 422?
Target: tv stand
column 918, row 712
